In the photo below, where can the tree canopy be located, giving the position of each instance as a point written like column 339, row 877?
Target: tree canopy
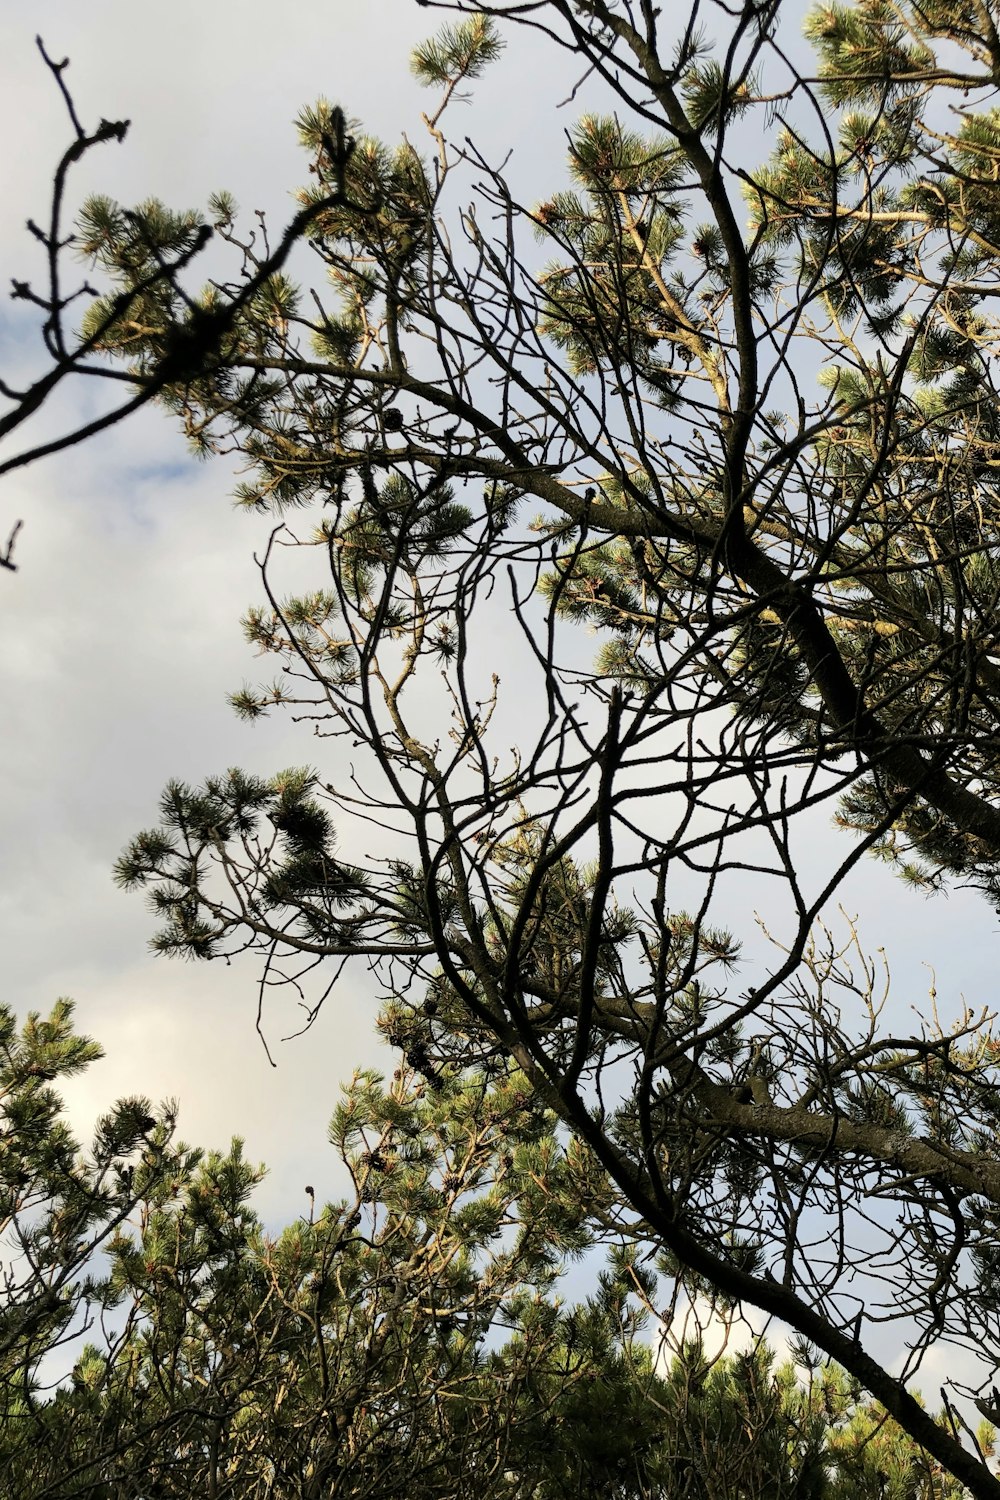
column 731, row 406
column 408, row 1340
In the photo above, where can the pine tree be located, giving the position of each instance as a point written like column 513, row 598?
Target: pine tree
column 410, row 1339
column 794, row 583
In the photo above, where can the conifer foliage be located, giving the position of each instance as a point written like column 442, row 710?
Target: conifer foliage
column 406, row 1340
column 727, row 398
column 409, row 1339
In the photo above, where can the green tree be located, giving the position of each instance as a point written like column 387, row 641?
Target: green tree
column 742, row 1427
column 408, row 1340
column 795, row 584
column 59, row 1208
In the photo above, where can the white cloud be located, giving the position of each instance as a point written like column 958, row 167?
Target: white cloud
column 123, row 639
column 721, row 1336
column 120, row 631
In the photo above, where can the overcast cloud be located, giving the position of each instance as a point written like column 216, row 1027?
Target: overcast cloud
column 121, row 630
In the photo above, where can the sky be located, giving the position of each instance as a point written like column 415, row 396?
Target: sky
column 121, row 627
column 120, row 631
